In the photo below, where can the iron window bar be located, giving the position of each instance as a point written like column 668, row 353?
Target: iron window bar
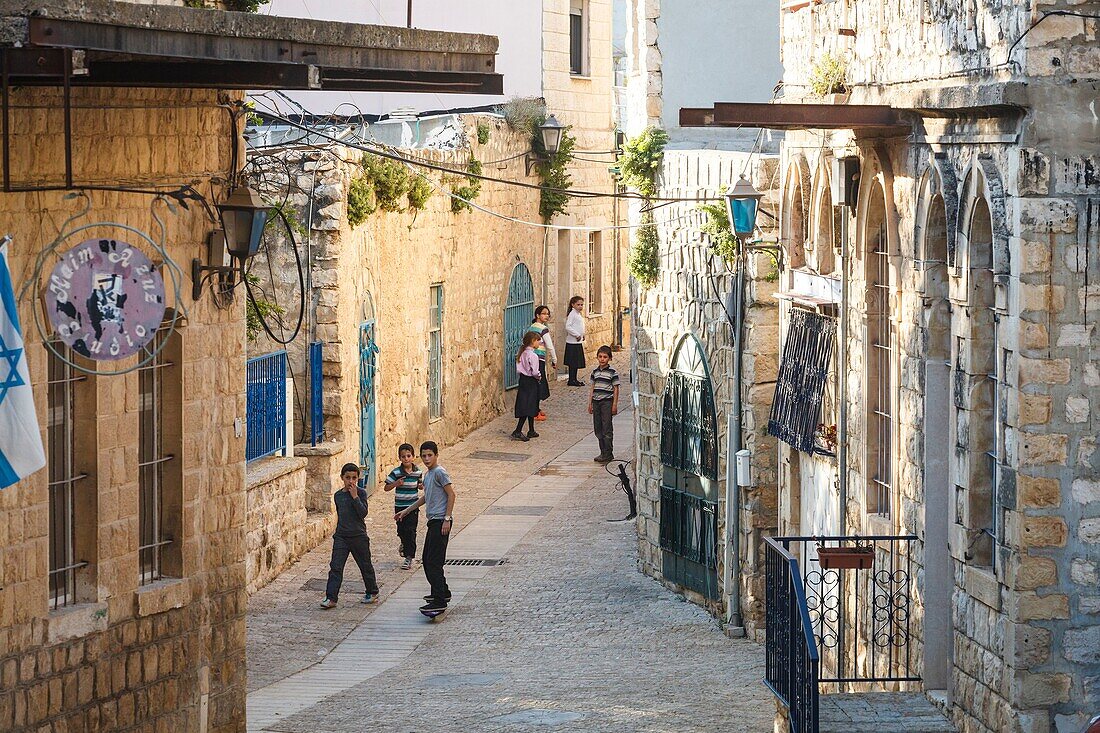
column 69, row 480
column 155, row 461
column 161, row 543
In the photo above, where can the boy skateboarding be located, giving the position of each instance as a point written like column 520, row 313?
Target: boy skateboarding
column 438, row 501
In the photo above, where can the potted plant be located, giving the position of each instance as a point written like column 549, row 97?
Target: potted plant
column 826, row 436
column 829, row 79
column 859, row 556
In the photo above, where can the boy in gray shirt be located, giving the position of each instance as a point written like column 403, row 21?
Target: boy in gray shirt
column 439, row 501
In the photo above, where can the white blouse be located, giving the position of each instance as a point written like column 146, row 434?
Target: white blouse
column 574, row 327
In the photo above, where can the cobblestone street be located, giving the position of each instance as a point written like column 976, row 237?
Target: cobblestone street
column 565, row 635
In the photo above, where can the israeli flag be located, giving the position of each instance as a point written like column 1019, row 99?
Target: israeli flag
column 21, row 451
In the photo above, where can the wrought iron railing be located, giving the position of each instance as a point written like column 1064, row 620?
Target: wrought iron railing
column 862, row 618
column 793, row 666
column 266, row 395
column 316, row 394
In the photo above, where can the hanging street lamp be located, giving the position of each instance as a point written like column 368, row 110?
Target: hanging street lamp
column 742, row 204
column 244, row 216
column 551, row 131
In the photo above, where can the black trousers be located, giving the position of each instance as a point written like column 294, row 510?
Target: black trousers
column 435, row 554
column 601, row 425
column 358, row 548
column 573, row 374
column 406, row 531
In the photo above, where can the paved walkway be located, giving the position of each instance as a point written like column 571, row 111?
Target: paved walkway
column 565, row 635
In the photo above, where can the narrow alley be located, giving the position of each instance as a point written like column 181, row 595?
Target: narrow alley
column 555, row 630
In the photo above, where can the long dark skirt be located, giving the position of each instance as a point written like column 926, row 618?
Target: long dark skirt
column 527, row 397
column 544, row 385
column 574, row 356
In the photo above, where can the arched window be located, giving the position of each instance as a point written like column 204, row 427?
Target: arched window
column 882, row 348
column 826, row 233
column 794, row 217
column 689, row 459
column 938, row 342
column 986, row 439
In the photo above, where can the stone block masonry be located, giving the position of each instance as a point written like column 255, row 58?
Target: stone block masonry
column 167, row 655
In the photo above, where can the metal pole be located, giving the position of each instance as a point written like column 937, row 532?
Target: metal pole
column 410, row 16
column 734, row 444
column 842, row 377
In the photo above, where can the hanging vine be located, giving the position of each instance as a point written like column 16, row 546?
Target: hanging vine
column 644, row 258
column 553, row 176
column 722, row 241
column 640, row 160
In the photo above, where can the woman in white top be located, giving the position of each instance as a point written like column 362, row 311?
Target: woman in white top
column 574, row 340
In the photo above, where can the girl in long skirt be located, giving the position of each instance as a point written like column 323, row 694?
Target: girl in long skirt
column 527, row 397
column 548, row 357
column 574, row 340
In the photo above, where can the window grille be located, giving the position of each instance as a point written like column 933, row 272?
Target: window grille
column 688, row 425
column 151, row 460
column 62, row 477
column 800, row 387
column 692, row 532
column 880, row 403
column 435, row 354
column 265, row 392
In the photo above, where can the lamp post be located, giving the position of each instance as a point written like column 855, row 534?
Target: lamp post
column 551, row 133
column 742, row 204
column 243, row 217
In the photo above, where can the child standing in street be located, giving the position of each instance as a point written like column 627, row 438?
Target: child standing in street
column 527, row 396
column 405, row 482
column 603, row 403
column 438, row 501
column 350, row 538
column 548, row 358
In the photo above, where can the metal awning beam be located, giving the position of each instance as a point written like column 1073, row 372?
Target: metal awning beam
column 794, row 116
column 122, row 44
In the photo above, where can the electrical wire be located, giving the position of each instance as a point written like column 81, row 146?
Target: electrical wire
column 301, row 287
column 573, row 193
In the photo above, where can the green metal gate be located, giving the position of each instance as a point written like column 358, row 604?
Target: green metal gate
column 689, row 485
column 519, row 310
column 368, row 411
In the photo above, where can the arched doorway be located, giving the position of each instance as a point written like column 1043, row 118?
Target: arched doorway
column 519, row 309
column 368, row 402
column 689, row 482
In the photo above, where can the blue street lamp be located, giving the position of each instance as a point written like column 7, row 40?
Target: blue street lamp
column 741, row 204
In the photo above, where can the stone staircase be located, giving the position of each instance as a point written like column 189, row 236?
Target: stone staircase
column 881, row 712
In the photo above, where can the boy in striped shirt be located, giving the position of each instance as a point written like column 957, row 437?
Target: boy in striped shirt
column 603, row 403
column 405, row 481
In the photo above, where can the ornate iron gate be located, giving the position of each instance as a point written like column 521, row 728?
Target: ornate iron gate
column 368, row 372
column 689, row 456
column 518, row 312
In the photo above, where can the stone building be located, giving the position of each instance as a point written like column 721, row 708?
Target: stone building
column 682, row 326
column 122, row 562
column 950, row 310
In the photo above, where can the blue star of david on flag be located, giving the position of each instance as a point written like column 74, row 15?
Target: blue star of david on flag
column 21, row 451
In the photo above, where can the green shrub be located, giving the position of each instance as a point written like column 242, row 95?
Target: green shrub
column 470, row 191
column 552, row 172
column 420, row 190
column 722, row 240
column 482, row 132
column 829, row 75
column 640, row 159
column 644, row 261
column 524, row 114
column 391, row 182
column 361, row 201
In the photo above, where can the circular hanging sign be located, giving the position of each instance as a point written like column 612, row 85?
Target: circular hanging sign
column 105, row 299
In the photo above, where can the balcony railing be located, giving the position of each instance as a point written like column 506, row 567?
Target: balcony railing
column 266, row 395
column 858, row 619
column 793, row 665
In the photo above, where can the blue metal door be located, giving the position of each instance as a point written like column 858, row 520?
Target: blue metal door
column 518, row 312
column 368, row 372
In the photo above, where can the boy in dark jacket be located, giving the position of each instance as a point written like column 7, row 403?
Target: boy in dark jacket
column 350, row 538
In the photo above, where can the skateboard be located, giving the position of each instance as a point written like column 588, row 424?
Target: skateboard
column 432, row 615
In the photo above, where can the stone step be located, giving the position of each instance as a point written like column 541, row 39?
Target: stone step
column 881, row 712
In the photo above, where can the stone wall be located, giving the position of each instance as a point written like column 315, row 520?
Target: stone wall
column 1008, row 308
column 281, row 525
column 170, row 654
column 689, row 298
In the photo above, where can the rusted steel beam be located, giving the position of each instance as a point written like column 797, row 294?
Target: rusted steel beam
column 793, row 116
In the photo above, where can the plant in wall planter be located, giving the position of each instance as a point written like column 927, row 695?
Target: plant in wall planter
column 829, row 79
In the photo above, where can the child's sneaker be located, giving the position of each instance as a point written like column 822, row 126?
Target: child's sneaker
column 328, row 603
column 434, row 605
column 368, row 598
column 407, row 565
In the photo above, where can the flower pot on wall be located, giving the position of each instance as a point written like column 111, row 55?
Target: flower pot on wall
column 846, row 558
column 835, row 98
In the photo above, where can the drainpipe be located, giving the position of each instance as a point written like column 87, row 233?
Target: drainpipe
column 842, row 367
column 734, row 443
